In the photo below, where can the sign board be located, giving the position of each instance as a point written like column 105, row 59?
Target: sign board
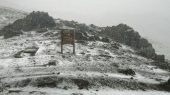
column 67, row 37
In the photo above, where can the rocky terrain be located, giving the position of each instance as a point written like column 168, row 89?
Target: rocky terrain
column 32, row 64
column 9, row 15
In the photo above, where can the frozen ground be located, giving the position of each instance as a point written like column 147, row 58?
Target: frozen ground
column 95, row 62
column 53, row 91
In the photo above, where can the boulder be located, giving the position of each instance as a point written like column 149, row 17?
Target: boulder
column 81, row 83
column 31, row 50
column 105, row 40
column 168, row 82
column 127, row 71
column 76, row 94
column 52, row 63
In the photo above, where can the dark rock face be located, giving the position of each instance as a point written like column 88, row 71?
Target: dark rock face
column 44, row 82
column 168, row 82
column 76, row 94
column 127, row 71
column 122, row 33
column 165, row 86
column 81, row 36
column 105, row 40
column 42, row 30
column 116, row 45
column 82, row 84
column 34, row 20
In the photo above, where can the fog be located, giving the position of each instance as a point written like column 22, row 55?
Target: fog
column 151, row 18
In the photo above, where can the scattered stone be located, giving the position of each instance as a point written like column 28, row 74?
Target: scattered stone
column 65, row 88
column 14, row 91
column 18, row 69
column 106, row 56
column 44, row 82
column 31, row 50
column 41, row 30
column 18, row 54
column 58, row 73
column 82, row 84
column 116, row 45
column 127, row 71
column 52, row 63
column 37, row 93
column 168, row 82
column 105, row 40
column 76, row 94
column 83, row 53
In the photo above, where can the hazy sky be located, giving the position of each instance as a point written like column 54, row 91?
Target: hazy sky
column 151, row 18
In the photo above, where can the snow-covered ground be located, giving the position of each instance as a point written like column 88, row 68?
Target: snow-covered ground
column 92, row 60
column 105, row 91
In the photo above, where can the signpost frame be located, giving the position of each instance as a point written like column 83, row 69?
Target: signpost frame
column 67, row 37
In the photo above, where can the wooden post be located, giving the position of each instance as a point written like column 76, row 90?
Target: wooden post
column 61, row 42
column 74, row 42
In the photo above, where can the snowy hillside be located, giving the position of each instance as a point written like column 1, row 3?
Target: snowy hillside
column 95, row 67
column 31, row 63
column 9, row 15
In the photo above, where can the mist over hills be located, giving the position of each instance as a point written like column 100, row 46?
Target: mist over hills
column 9, row 15
column 121, row 33
column 113, row 59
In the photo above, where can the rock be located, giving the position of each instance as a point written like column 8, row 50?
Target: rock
column 127, row 71
column 31, row 50
column 81, row 36
column 94, row 38
column 168, row 82
column 37, row 93
column 81, row 83
column 105, row 56
column 18, row 54
column 83, row 53
column 52, row 63
column 83, row 42
column 34, row 20
column 44, row 82
column 14, row 91
column 41, row 30
column 76, row 94
column 105, row 40
column 65, row 88
column 58, row 73
column 116, row 45
column 165, row 86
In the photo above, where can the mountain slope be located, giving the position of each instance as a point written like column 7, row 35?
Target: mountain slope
column 123, row 33
column 9, row 15
column 32, row 64
column 97, row 64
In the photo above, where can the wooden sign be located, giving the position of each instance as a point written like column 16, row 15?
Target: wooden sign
column 67, row 37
